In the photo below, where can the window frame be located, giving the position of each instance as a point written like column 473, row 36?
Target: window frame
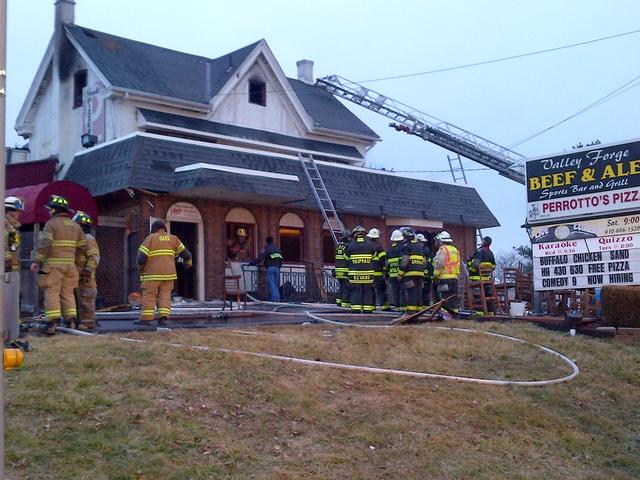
column 77, row 88
column 257, row 97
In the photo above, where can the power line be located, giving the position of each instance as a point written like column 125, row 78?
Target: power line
column 634, row 82
column 621, row 89
column 502, row 59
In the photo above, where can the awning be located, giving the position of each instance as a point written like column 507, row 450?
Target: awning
column 37, row 196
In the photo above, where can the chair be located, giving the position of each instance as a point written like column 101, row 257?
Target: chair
column 231, row 290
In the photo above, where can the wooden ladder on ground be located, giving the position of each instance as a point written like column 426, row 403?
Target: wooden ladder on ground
column 482, row 294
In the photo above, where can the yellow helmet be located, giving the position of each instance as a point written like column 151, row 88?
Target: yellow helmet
column 241, row 232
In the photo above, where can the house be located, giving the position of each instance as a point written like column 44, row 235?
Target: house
column 212, row 145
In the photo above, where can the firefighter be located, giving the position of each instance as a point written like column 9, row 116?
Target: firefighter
column 393, row 269
column 412, row 265
column 483, row 257
column 239, row 249
column 156, row 260
column 54, row 260
column 342, row 270
column 360, row 253
column 379, row 266
column 446, row 270
column 427, row 287
column 86, row 264
column 271, row 257
column 13, row 207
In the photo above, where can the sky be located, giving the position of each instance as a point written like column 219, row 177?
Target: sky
column 504, row 102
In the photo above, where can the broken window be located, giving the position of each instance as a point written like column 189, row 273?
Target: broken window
column 258, row 92
column 79, row 82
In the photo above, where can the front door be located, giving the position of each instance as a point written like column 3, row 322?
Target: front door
column 187, row 232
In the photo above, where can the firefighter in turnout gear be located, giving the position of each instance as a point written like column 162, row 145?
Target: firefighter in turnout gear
column 156, row 260
column 483, row 257
column 54, row 259
column 360, row 253
column 427, row 288
column 412, row 265
column 342, row 270
column 394, row 254
column 13, row 207
column 447, row 270
column 86, row 264
column 379, row 266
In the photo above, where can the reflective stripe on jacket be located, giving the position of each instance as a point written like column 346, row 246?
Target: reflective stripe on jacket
column 59, row 240
column 483, row 257
column 160, row 250
column 447, row 262
column 412, row 263
column 342, row 262
column 393, row 260
column 360, row 253
column 11, row 243
column 89, row 260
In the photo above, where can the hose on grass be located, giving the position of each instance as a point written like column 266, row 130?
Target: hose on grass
column 377, row 370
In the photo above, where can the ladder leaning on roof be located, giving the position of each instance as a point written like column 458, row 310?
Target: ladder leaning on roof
column 322, row 196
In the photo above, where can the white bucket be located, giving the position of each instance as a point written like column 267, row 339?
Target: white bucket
column 517, row 309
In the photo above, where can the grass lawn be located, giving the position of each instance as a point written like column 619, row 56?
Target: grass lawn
column 101, row 408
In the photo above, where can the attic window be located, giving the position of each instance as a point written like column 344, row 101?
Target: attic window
column 258, row 92
column 79, row 82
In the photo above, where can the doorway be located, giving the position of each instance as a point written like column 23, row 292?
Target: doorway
column 187, row 232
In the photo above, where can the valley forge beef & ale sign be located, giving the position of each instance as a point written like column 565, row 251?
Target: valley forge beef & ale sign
column 583, row 183
column 571, row 248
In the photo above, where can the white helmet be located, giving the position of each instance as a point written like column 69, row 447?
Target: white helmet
column 14, row 203
column 420, row 238
column 373, row 233
column 444, row 237
column 396, row 236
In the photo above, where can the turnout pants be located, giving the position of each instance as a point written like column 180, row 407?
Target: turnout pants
column 451, row 288
column 11, row 307
column 87, row 304
column 57, row 283
column 382, row 299
column 413, row 286
column 395, row 293
column 341, row 290
column 427, row 292
column 347, row 289
column 362, row 297
column 156, row 292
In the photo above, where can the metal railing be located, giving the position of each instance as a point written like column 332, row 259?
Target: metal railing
column 298, row 283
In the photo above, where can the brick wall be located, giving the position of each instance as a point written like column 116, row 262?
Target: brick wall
column 139, row 208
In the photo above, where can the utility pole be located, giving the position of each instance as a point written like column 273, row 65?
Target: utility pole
column 3, row 96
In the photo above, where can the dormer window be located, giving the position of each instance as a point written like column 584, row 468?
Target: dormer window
column 79, row 82
column 258, row 92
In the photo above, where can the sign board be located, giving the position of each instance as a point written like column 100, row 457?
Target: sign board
column 620, row 225
column 183, row 212
column 93, row 112
column 586, row 182
column 587, row 262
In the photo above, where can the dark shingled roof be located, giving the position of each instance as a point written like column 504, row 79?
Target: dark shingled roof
column 148, row 162
column 147, row 68
column 248, row 133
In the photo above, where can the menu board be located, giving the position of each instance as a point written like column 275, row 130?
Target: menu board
column 587, row 262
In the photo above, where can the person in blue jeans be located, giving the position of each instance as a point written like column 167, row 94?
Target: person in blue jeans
column 271, row 258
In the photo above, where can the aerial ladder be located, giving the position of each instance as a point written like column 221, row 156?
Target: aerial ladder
column 505, row 161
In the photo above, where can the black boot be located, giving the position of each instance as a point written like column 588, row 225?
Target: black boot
column 47, row 327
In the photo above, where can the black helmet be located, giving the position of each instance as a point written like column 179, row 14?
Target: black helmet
column 345, row 234
column 408, row 233
column 57, row 202
column 486, row 241
column 359, row 231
